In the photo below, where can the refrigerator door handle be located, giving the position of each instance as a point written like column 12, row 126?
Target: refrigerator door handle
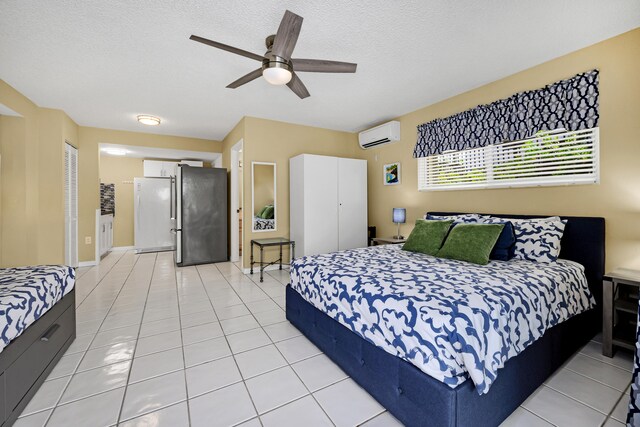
column 172, row 199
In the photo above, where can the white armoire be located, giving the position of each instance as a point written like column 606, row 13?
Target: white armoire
column 328, row 203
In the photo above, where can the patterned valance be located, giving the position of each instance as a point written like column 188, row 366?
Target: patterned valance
column 571, row 104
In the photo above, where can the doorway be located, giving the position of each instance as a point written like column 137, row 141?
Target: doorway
column 236, row 201
column 71, row 205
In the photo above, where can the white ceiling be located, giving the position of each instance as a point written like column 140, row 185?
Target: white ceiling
column 104, row 62
column 6, row 111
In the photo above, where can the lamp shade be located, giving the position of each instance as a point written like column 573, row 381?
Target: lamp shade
column 399, row 215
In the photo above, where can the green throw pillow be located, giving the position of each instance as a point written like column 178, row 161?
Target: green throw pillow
column 268, row 213
column 427, row 236
column 471, row 242
column 261, row 212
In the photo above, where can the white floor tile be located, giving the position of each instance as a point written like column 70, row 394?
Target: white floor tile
column 298, row 348
column 622, row 409
column 96, row 381
column 613, row 423
column 225, row 407
column 282, row 331
column 303, row 411
column 157, row 343
column 584, row 390
column 262, row 306
column 108, row 355
column 100, row 410
column 622, row 358
column 318, row 372
column 199, row 333
column 212, row 376
column 80, row 344
column 266, row 318
column 239, row 324
column 260, row 360
column 602, row 372
column 387, row 420
column 230, row 312
column 206, row 351
column 36, row 420
column 347, row 404
column 254, row 422
column 196, row 319
column 151, row 395
column 275, row 388
column 47, row 396
column 521, row 418
column 66, row 366
column 160, row 326
column 248, row 340
column 561, row 410
column 156, row 364
column 115, row 336
column 172, row 416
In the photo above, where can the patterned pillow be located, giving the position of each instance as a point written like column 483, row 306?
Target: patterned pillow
column 537, row 239
column 457, row 219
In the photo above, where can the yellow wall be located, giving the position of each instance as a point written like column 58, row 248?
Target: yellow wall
column 617, row 197
column 89, row 167
column 32, row 149
column 121, row 171
column 277, row 142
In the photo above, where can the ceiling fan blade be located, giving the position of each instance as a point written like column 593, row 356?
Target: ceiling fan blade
column 246, row 79
column 323, row 66
column 227, row 48
column 287, row 35
column 298, row 87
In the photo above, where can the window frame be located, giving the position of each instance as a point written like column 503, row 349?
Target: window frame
column 519, row 182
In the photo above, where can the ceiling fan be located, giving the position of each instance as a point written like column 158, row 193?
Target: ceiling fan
column 278, row 68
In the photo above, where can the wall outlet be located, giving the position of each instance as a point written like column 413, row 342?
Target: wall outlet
column 87, row 240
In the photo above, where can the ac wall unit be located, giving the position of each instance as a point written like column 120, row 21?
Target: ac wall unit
column 380, row 135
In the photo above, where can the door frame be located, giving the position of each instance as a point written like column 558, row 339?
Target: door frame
column 236, row 156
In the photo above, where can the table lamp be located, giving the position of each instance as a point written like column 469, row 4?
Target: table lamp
column 399, row 217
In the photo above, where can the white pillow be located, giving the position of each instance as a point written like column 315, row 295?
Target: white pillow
column 457, row 219
column 537, row 239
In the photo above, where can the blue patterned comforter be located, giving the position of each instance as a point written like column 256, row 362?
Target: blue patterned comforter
column 26, row 293
column 451, row 319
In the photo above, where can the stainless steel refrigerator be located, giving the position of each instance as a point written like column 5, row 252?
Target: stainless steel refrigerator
column 199, row 211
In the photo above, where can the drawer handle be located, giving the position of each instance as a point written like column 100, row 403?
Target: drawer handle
column 52, row 330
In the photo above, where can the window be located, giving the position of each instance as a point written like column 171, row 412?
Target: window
column 549, row 158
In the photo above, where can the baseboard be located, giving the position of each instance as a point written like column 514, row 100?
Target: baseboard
column 87, row 263
column 122, row 248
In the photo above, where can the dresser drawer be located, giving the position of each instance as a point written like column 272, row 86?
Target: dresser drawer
column 21, row 375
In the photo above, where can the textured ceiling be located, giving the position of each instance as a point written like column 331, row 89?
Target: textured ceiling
column 104, row 62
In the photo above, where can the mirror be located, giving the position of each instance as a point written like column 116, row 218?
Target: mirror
column 263, row 196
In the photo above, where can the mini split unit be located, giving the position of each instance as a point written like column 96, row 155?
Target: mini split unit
column 380, row 135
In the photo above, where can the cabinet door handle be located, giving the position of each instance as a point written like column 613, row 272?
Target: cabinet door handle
column 52, row 330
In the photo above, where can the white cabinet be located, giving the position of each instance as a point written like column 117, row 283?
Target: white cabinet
column 328, row 203
column 106, row 234
column 159, row 169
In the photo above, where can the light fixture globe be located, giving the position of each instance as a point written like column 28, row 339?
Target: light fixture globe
column 276, row 70
column 148, row 120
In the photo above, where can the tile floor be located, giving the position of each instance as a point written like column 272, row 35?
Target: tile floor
column 208, row 346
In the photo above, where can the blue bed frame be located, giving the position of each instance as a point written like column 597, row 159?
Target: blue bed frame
column 417, row 399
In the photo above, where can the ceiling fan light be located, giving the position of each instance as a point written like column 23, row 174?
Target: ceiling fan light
column 277, row 75
column 148, row 120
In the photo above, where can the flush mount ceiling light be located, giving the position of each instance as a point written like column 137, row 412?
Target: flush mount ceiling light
column 115, row 151
column 148, row 120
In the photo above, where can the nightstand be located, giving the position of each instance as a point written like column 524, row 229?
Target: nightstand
column 619, row 309
column 387, row 241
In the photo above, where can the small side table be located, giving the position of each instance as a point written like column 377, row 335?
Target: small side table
column 387, row 241
column 263, row 243
column 619, row 309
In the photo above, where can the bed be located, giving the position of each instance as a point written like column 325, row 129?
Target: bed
column 481, row 386
column 37, row 325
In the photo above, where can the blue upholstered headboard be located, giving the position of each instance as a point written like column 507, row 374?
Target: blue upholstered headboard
column 582, row 242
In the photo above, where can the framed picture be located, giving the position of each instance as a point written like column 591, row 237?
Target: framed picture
column 392, row 174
